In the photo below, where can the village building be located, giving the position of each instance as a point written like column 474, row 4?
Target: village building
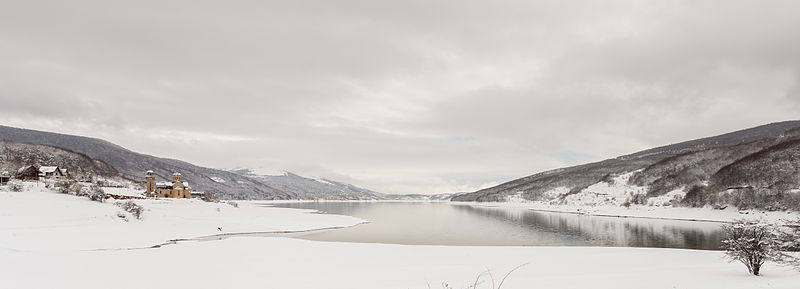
column 51, row 172
column 5, row 177
column 176, row 189
column 28, row 173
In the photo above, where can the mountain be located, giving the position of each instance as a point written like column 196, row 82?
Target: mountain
column 752, row 168
column 132, row 165
column 312, row 189
column 14, row 155
column 420, row 197
column 325, row 189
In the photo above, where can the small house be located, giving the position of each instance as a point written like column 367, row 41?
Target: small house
column 28, row 173
column 50, row 172
column 4, row 178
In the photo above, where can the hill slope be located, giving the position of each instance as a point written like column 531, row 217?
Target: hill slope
column 313, row 189
column 14, row 155
column 133, row 165
column 757, row 167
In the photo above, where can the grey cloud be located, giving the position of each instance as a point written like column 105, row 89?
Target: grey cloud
column 384, row 94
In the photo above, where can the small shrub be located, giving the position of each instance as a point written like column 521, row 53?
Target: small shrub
column 639, row 199
column 790, row 241
column 67, row 187
column 15, row 186
column 233, row 204
column 95, row 193
column 210, row 197
column 62, row 186
column 75, row 188
column 132, row 207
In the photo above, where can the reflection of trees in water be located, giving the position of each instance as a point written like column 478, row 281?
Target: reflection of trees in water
column 442, row 223
column 612, row 231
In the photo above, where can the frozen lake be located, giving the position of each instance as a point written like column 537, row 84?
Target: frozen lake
column 421, row 223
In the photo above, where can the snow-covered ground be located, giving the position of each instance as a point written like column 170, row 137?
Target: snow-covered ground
column 47, row 240
column 249, row 262
column 37, row 219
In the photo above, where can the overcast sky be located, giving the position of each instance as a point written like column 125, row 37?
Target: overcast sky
column 411, row 96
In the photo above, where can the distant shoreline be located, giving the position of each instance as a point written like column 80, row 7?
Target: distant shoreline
column 645, row 212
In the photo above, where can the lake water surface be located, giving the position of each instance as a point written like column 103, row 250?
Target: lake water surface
column 441, row 223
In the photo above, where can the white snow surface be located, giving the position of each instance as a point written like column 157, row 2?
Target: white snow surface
column 254, row 262
column 123, row 191
column 38, row 219
column 49, row 240
column 604, row 193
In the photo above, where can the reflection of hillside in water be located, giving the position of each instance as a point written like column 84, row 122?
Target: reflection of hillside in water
column 422, row 223
column 612, row 231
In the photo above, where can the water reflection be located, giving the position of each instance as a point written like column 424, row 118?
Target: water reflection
column 446, row 224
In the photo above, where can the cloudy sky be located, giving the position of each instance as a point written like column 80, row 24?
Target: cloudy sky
column 412, row 96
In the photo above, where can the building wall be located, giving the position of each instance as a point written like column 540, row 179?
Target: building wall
column 173, row 193
column 177, row 191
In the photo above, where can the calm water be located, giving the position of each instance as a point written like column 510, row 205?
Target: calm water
column 446, row 224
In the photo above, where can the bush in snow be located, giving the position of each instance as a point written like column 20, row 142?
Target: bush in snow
column 752, row 243
column 68, row 187
column 790, row 235
column 15, row 186
column 233, row 204
column 95, row 193
column 132, row 207
column 790, row 241
column 210, row 197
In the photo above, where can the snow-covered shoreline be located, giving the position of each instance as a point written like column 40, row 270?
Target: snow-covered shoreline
column 38, row 219
column 57, row 236
column 646, row 212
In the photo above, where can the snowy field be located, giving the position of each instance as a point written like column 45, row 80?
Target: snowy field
column 49, row 240
column 38, row 219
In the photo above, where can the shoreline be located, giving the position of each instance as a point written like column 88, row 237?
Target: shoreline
column 686, row 214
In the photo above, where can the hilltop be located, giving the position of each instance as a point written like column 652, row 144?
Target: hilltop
column 757, row 167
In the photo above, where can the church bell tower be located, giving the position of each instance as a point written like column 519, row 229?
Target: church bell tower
column 150, row 177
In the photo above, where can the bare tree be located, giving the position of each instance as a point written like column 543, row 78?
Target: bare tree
column 790, row 241
column 752, row 243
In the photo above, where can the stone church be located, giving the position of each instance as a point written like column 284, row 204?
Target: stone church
column 177, row 189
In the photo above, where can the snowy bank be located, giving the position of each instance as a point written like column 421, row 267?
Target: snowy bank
column 255, row 262
column 49, row 240
column 38, row 219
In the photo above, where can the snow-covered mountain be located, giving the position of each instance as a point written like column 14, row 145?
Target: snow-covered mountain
column 325, row 189
column 312, row 188
column 133, row 165
column 105, row 158
column 752, row 168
